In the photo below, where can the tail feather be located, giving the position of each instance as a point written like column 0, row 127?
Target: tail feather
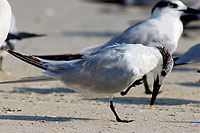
column 64, row 57
column 28, row 58
column 30, row 79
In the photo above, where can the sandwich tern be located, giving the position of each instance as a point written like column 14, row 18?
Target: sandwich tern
column 105, row 72
column 163, row 26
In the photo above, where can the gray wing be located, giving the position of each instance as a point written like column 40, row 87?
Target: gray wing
column 100, row 73
column 147, row 33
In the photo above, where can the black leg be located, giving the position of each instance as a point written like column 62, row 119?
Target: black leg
column 115, row 113
column 146, row 85
column 137, row 82
column 123, row 93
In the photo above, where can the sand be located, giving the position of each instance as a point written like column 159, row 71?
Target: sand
column 50, row 107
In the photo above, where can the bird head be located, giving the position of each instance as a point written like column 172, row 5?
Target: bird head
column 172, row 7
column 161, row 72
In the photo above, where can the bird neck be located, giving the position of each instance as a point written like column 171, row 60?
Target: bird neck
column 170, row 25
column 166, row 58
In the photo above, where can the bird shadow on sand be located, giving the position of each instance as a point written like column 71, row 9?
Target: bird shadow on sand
column 179, row 122
column 146, row 101
column 121, row 100
column 39, row 118
column 43, row 90
column 191, row 84
column 184, row 69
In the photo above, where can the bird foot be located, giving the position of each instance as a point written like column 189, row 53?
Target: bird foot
column 148, row 91
column 124, row 121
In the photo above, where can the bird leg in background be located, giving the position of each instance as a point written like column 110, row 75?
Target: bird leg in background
column 10, row 45
column 115, row 113
column 146, row 85
column 1, row 62
column 137, row 82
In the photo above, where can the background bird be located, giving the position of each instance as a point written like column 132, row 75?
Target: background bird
column 190, row 57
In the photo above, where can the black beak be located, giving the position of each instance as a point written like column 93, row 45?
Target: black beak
column 156, row 88
column 191, row 11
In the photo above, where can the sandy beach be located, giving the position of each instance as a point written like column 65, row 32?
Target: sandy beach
column 50, row 107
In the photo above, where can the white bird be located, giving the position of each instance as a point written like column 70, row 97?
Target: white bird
column 5, row 20
column 106, row 72
column 163, row 26
column 190, row 57
column 14, row 35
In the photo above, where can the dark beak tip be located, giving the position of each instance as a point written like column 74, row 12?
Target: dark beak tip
column 191, row 11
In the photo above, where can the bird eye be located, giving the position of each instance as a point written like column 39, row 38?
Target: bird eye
column 172, row 5
column 163, row 73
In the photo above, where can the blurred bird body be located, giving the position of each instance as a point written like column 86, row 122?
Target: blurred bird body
column 191, row 57
column 5, row 20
